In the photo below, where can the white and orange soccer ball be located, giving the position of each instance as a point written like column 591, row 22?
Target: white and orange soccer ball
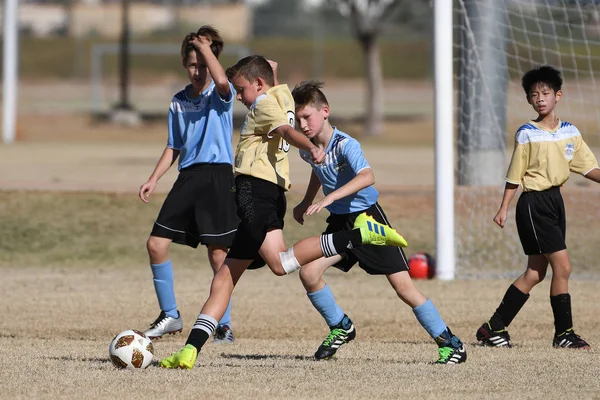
column 131, row 349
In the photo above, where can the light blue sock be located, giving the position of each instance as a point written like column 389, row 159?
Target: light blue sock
column 226, row 320
column 429, row 317
column 325, row 304
column 163, row 285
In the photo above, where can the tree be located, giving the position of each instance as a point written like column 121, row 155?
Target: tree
column 367, row 18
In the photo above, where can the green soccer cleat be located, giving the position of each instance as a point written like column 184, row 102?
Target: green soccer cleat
column 376, row 233
column 183, row 359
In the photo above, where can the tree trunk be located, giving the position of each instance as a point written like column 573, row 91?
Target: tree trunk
column 374, row 100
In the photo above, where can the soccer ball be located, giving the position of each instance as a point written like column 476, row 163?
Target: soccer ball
column 421, row 266
column 131, row 349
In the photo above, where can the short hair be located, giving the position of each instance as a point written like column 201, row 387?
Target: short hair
column 205, row 30
column 309, row 93
column 545, row 74
column 251, row 68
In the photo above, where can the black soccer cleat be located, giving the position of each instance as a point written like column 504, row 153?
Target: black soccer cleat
column 451, row 349
column 339, row 335
column 491, row 338
column 570, row 340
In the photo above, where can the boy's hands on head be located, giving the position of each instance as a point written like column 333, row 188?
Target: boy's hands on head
column 274, row 65
column 200, row 42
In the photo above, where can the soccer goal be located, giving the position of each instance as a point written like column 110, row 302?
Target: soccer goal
column 482, row 48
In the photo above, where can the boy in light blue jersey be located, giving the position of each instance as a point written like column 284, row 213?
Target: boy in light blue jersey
column 200, row 208
column 347, row 181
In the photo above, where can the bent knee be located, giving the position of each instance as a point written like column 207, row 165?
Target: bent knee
column 157, row 246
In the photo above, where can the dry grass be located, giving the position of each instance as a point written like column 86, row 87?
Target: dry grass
column 59, row 321
column 74, row 274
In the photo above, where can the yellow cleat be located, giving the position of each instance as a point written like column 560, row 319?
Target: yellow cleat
column 376, row 233
column 184, row 359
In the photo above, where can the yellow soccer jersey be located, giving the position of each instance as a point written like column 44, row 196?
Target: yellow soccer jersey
column 259, row 153
column 542, row 158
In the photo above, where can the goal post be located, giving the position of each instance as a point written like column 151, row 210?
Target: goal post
column 444, row 140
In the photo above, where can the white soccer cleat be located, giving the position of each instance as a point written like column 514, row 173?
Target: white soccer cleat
column 163, row 325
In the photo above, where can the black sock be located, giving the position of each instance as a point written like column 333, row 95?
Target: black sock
column 340, row 242
column 561, row 308
column 197, row 338
column 203, row 327
column 508, row 309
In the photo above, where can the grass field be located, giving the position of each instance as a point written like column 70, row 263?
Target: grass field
column 74, row 273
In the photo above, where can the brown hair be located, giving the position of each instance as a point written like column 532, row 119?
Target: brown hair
column 251, row 68
column 208, row 31
column 309, row 93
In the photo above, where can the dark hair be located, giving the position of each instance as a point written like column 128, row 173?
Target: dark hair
column 543, row 74
column 309, row 93
column 208, row 31
column 251, row 68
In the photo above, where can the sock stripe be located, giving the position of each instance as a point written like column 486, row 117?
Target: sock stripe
column 327, row 247
column 206, row 323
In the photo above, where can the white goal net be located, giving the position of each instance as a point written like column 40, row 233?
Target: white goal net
column 495, row 42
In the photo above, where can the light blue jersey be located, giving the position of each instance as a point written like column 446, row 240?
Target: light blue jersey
column 344, row 160
column 202, row 128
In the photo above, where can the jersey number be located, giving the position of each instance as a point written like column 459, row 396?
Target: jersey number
column 283, row 145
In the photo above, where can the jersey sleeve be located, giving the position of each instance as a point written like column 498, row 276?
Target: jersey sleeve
column 174, row 140
column 226, row 103
column 354, row 156
column 518, row 162
column 583, row 160
column 270, row 116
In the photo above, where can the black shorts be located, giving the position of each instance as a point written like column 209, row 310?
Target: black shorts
column 200, row 208
column 541, row 221
column 375, row 260
column 261, row 208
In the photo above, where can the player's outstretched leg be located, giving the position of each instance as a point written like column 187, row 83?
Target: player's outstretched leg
column 339, row 335
column 376, row 233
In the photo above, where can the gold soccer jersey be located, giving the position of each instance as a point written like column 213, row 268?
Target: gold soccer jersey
column 260, row 153
column 542, row 158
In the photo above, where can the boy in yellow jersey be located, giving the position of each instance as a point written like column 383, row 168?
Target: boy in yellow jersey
column 546, row 151
column 262, row 178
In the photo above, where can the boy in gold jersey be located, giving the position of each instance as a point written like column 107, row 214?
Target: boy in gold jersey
column 546, row 151
column 262, row 178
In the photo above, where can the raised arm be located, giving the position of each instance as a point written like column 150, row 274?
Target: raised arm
column 509, row 192
column 202, row 44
